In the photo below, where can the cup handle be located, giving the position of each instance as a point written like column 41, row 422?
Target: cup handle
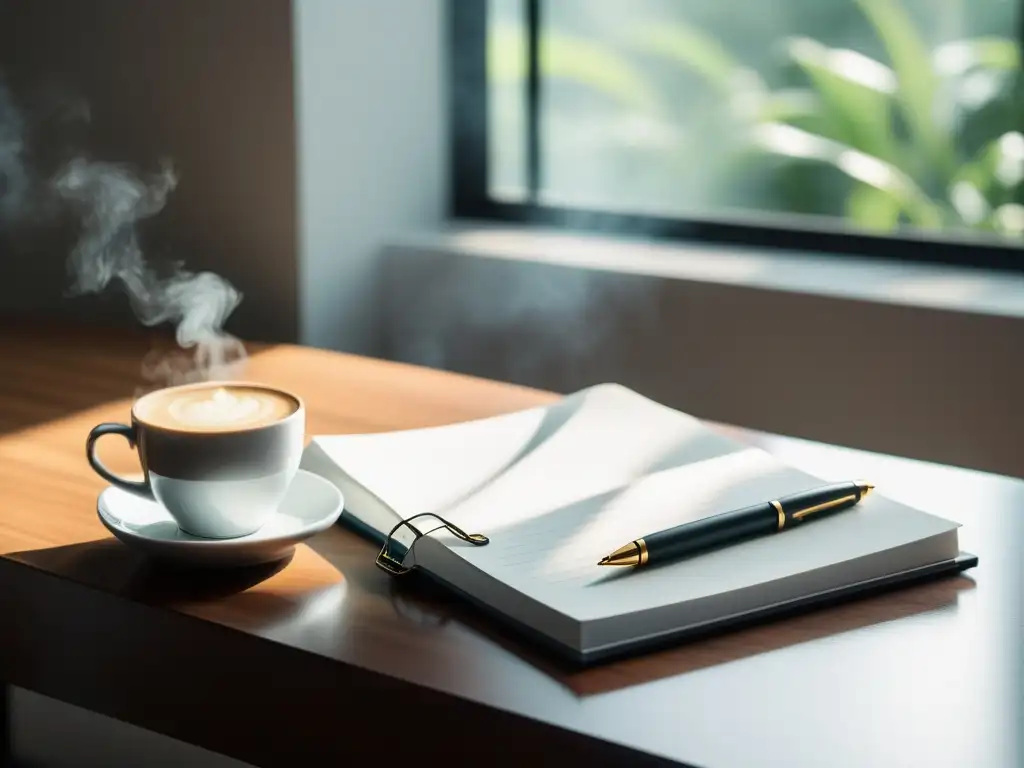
column 143, row 488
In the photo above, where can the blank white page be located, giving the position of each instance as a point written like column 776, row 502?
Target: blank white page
column 494, row 472
column 552, row 558
column 556, row 488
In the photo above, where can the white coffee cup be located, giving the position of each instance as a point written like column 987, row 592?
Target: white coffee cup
column 219, row 456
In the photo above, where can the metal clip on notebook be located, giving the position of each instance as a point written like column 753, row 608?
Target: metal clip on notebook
column 392, row 562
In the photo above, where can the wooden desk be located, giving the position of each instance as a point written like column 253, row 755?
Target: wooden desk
column 325, row 657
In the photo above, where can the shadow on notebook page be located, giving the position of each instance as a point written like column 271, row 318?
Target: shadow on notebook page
column 553, row 419
column 537, row 482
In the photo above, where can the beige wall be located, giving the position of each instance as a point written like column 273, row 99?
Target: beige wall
column 207, row 83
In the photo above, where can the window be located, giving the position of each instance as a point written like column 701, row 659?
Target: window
column 881, row 127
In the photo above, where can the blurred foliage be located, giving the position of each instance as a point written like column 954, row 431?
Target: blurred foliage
column 930, row 138
column 573, row 59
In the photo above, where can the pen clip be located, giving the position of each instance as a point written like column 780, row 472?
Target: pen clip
column 393, row 564
column 801, row 514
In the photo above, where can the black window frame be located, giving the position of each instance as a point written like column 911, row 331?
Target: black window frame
column 469, row 198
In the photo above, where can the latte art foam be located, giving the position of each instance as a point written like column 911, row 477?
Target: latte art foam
column 215, row 409
column 220, row 409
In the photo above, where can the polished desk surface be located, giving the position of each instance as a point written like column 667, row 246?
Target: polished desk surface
column 929, row 675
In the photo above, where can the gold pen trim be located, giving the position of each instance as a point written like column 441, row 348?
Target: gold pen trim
column 782, row 514
column 642, row 545
column 824, row 505
column 627, row 554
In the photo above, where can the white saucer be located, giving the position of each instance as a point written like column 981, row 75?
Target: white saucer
column 311, row 505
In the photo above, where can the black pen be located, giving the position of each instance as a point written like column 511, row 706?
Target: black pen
column 738, row 525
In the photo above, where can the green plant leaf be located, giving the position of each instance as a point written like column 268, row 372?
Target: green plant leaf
column 976, row 127
column 873, row 208
column 791, row 105
column 1008, row 220
column 958, row 57
column 918, row 81
column 996, row 172
column 795, row 143
column 693, row 49
column 978, row 173
column 968, row 202
column 855, row 94
column 584, row 62
column 977, row 80
column 572, row 59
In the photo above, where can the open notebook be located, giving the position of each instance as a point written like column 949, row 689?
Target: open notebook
column 557, row 487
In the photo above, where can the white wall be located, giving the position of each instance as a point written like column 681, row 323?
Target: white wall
column 371, row 112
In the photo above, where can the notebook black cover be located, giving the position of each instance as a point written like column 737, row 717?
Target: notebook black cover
column 646, row 644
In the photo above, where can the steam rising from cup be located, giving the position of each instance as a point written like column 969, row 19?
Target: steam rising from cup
column 110, row 200
column 13, row 176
